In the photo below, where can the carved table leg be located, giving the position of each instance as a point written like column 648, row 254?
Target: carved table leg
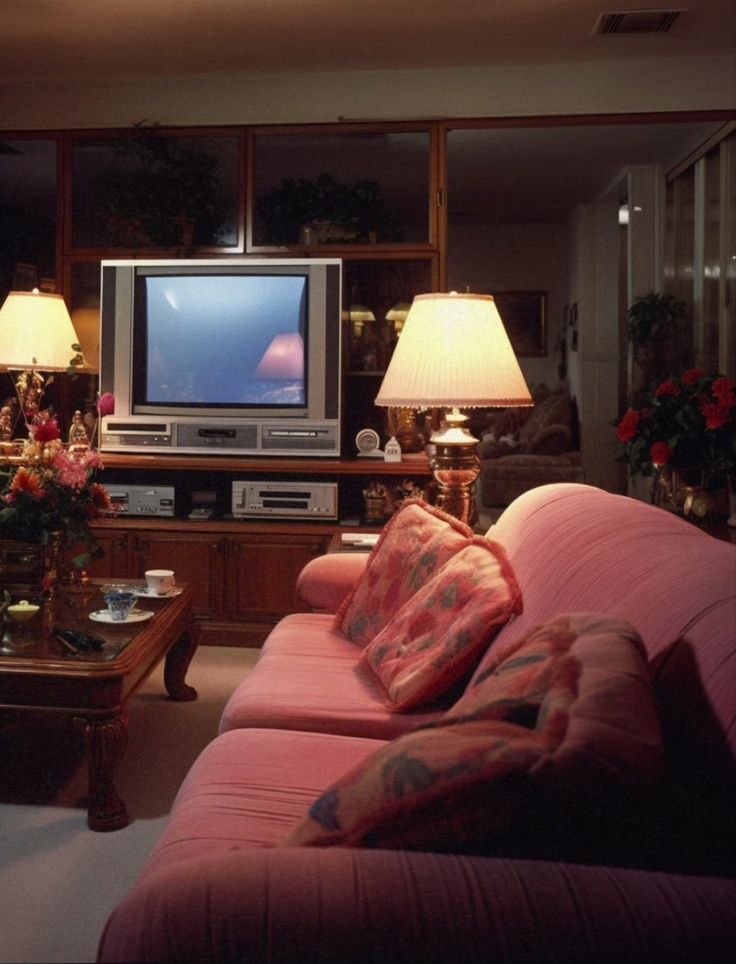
column 106, row 741
column 175, row 668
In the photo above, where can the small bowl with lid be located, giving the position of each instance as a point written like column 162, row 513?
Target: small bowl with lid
column 23, row 611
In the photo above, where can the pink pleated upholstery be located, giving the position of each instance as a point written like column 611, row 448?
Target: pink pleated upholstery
column 309, row 677
column 576, row 548
column 218, row 888
column 324, row 582
column 248, row 789
column 215, row 889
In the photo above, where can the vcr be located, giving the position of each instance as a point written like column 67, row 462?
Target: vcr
column 241, row 436
column 288, row 500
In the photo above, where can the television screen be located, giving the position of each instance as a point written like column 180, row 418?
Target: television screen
column 218, row 339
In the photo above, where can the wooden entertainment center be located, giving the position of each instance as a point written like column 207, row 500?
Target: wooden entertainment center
column 243, row 571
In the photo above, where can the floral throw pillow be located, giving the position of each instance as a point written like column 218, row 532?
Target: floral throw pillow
column 557, row 786
column 414, row 544
column 437, row 636
column 448, row 789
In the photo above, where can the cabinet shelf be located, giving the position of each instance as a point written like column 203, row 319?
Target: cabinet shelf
column 418, row 465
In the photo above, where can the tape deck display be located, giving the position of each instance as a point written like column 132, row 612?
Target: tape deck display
column 287, row 500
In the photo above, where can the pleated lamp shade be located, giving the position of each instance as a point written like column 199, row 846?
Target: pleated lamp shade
column 36, row 332
column 454, row 352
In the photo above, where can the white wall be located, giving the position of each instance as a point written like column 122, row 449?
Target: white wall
column 264, row 98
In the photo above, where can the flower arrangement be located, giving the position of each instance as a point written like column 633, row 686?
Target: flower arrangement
column 688, row 423
column 50, row 489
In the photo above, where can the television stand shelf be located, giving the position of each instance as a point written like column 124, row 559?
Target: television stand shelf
column 243, row 570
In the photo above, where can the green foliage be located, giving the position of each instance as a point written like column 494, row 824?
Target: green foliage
column 296, row 203
column 653, row 317
column 156, row 190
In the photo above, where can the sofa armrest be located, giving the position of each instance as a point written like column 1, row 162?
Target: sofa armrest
column 325, row 581
column 342, row 906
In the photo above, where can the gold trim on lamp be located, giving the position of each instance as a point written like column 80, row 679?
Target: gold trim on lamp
column 454, row 353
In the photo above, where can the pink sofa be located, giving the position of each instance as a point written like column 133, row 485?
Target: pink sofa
column 220, row 886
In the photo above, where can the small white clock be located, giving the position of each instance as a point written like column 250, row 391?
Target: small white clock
column 368, row 443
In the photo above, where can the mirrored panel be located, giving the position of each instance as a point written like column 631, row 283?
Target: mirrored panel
column 357, row 187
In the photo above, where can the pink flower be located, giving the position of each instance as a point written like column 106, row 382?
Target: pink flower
column 668, row 388
column 72, row 474
column 106, row 404
column 661, row 453
column 628, row 425
column 693, row 376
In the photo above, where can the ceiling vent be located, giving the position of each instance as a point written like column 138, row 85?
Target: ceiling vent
column 637, row 21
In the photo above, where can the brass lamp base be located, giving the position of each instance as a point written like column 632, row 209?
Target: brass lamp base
column 456, row 466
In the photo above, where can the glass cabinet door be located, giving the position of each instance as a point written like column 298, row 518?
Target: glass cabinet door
column 155, row 190
column 28, row 208
column 351, row 187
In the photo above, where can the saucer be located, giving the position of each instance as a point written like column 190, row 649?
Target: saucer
column 144, row 592
column 103, row 616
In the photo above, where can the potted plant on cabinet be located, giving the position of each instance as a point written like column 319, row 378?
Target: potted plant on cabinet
column 157, row 192
column 655, row 328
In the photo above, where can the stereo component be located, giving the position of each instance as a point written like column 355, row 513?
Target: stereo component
column 286, row 500
column 142, row 499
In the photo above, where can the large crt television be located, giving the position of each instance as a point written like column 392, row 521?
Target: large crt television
column 236, row 356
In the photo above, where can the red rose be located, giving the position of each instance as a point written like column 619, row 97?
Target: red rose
column 668, row 388
column 716, row 416
column 693, row 376
column 723, row 389
column 661, row 453
column 627, row 426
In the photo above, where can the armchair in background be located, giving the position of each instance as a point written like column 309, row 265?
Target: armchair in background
column 524, row 448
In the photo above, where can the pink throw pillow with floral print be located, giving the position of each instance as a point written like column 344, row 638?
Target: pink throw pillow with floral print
column 451, row 788
column 558, row 786
column 414, row 544
column 437, row 637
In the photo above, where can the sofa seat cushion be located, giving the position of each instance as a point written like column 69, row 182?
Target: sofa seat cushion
column 437, row 636
column 583, row 763
column 247, row 789
column 413, row 545
column 309, row 677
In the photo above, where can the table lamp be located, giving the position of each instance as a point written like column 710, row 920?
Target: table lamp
column 36, row 334
column 454, row 353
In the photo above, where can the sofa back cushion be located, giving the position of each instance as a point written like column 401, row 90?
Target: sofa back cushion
column 484, row 783
column 436, row 638
column 414, row 544
column 576, row 548
column 555, row 409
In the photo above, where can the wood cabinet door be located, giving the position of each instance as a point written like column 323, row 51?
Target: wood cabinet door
column 262, row 570
column 196, row 558
column 115, row 559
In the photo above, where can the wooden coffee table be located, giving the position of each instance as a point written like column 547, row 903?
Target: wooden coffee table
column 38, row 675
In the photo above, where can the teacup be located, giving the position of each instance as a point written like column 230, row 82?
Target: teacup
column 120, row 603
column 160, row 581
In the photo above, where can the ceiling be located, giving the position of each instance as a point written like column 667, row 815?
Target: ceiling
column 519, row 174
column 115, row 39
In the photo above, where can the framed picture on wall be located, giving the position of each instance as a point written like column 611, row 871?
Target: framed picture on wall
column 524, row 314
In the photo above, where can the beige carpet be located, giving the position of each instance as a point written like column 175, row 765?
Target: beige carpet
column 58, row 880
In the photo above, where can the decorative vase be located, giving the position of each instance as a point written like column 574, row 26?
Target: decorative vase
column 53, row 563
